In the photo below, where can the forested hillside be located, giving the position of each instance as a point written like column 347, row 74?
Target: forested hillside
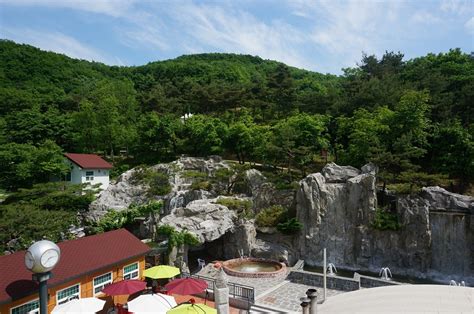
column 413, row 118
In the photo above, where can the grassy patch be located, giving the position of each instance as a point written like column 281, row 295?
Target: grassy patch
column 242, row 207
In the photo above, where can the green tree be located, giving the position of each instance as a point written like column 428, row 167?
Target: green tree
column 22, row 165
column 452, row 151
column 298, row 138
column 203, row 135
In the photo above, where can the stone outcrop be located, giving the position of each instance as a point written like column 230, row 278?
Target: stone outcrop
column 267, row 195
column 338, row 207
column 334, row 173
column 121, row 194
column 440, row 199
column 205, row 219
column 126, row 191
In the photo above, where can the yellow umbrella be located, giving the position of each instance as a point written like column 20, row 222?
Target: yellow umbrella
column 189, row 308
column 161, row 272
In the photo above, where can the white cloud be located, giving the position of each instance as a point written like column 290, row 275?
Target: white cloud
column 425, row 18
column 349, row 28
column 457, row 6
column 55, row 41
column 115, row 8
column 230, row 30
column 469, row 25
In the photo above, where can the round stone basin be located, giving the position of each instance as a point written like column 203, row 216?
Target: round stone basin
column 253, row 268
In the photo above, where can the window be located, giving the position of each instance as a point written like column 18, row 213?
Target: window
column 89, row 175
column 31, row 307
column 130, row 271
column 101, row 281
column 62, row 296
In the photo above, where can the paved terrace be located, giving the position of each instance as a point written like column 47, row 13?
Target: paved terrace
column 277, row 293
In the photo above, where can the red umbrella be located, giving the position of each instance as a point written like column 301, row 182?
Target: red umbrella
column 185, row 286
column 124, row 287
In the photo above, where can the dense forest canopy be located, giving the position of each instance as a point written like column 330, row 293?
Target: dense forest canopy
column 413, row 118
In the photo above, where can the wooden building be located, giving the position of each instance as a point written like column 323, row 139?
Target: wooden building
column 86, row 265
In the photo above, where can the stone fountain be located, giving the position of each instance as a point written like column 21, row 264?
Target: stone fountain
column 385, row 273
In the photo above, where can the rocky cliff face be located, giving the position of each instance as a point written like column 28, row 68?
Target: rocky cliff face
column 338, row 207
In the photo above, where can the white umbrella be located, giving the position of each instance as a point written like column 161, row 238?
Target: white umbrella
column 151, row 303
column 83, row 306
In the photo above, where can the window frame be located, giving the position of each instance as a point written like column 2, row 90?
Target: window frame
column 58, row 302
column 102, row 284
column 23, row 304
column 137, row 271
column 89, row 175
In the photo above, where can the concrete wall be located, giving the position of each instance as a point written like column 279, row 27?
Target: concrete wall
column 101, row 176
column 316, row 280
column 78, row 176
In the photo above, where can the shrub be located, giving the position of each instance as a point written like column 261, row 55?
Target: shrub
column 271, row 216
column 242, row 207
column 113, row 220
column 385, row 220
column 177, row 238
column 157, row 181
column 201, row 185
column 291, row 226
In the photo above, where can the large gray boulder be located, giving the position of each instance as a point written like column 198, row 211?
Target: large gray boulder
column 120, row 194
column 254, row 180
column 440, row 199
column 205, row 219
column 336, row 173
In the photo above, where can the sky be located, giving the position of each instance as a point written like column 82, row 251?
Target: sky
column 323, row 36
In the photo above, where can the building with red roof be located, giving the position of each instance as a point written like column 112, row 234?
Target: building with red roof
column 88, row 168
column 86, row 265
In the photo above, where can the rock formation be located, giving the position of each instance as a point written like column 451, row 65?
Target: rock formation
column 205, row 219
column 338, row 206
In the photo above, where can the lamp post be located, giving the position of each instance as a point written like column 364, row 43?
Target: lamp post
column 40, row 258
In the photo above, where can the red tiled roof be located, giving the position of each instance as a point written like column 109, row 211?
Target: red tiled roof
column 78, row 257
column 88, row 161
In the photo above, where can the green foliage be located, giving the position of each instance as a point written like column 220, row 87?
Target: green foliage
column 290, row 226
column 24, row 223
column 385, row 220
column 22, row 165
column 177, row 239
column 271, row 216
column 156, row 180
column 282, row 180
column 44, row 211
column 54, row 196
column 113, row 220
column 404, row 115
column 412, row 182
column 201, row 185
column 242, row 207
